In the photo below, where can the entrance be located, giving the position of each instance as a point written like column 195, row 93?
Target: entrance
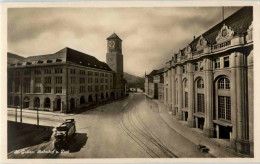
column 185, row 116
column 224, row 132
column 200, row 123
column 96, row 96
column 72, row 103
column 58, row 104
column 26, row 101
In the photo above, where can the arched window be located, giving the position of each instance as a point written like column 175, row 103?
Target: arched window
column 223, row 83
column 200, row 83
column 36, row 102
column 47, row 103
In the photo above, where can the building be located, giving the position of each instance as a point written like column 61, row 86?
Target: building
column 209, row 82
column 65, row 80
column 154, row 84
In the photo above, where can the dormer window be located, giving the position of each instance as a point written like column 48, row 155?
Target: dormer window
column 49, row 61
column 28, row 63
column 58, row 60
column 12, row 64
column 40, row 62
column 19, row 64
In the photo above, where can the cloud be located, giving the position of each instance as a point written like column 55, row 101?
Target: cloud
column 150, row 35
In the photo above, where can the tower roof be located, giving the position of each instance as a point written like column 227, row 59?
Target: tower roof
column 114, row 36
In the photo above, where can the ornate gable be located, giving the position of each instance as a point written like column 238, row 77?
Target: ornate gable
column 201, row 43
column 224, row 34
column 187, row 50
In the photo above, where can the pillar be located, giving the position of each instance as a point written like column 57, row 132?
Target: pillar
column 180, row 97
column 32, row 84
column 242, row 140
column 164, row 92
column 191, row 122
column 208, row 128
column 170, row 89
column 173, row 91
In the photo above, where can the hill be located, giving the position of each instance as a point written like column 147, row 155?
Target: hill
column 132, row 78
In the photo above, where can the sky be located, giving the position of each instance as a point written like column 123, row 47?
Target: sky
column 150, row 35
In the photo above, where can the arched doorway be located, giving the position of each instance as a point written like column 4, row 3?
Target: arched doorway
column 58, row 104
column 107, row 95
column 82, row 100
column 102, row 96
column 90, row 99
column 72, row 103
column 116, row 94
column 96, row 97
column 122, row 94
column 112, row 95
column 26, row 102
column 36, row 102
column 47, row 102
column 16, row 101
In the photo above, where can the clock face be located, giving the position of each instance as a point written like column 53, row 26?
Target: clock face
column 111, row 44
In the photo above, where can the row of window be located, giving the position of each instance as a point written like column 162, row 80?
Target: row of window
column 90, row 80
column 37, row 62
column 82, row 89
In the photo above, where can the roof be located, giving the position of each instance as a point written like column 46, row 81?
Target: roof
column 239, row 22
column 156, row 72
column 14, row 56
column 113, row 36
column 70, row 55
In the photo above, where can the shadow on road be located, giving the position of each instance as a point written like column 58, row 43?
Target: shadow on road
column 21, row 135
column 78, row 141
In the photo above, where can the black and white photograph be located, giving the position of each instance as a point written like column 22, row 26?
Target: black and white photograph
column 91, row 82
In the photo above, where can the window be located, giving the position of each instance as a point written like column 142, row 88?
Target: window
column 58, row 80
column 96, row 80
column 58, row 90
column 47, row 71
column 17, row 85
column 96, row 74
column 101, row 74
column 196, row 66
column 27, row 86
column 37, row 89
column 106, row 87
column 226, row 62
column 90, row 88
column 200, row 83
column 49, row 61
column 37, row 72
column 82, row 72
column 223, row 83
column 101, row 80
column 72, row 80
column 183, row 69
column 27, row 72
column 72, row 71
column 58, row 70
column 167, row 74
column 38, row 80
column 201, row 66
column 90, row 73
column 82, row 89
column 224, row 108
column 40, row 62
column 106, row 80
column 48, row 80
column 47, row 89
column 217, row 63
column 81, row 80
column 96, row 88
column 90, row 80
column 72, row 89
column 58, row 60
column 200, row 102
column 186, row 99
column 101, row 87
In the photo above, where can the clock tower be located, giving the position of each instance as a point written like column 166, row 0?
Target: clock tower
column 115, row 62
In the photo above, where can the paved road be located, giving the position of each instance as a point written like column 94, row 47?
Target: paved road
column 129, row 128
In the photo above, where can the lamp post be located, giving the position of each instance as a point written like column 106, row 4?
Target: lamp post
column 37, row 116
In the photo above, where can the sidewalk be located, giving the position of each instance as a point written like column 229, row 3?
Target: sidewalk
column 40, row 112
column 197, row 137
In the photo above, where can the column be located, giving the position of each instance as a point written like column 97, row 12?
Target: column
column 208, row 128
column 180, row 97
column 191, row 122
column 170, row 89
column 32, row 81
column 173, row 91
column 164, row 92
column 242, row 142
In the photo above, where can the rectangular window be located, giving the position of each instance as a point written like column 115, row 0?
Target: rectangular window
column 58, row 90
column 16, row 85
column 106, row 87
column 48, row 80
column 82, row 72
column 101, row 74
column 96, row 74
column 96, row 80
column 37, row 72
column 201, row 66
column 82, row 80
column 47, row 89
column 47, row 71
column 183, row 69
column 90, row 88
column 58, row 70
column 17, row 73
column 96, row 88
column 90, row 80
column 200, row 102
column 217, row 63
column 82, row 89
column 186, row 99
column 101, row 87
column 27, row 72
column 58, row 80
column 72, row 89
column 224, row 108
column 90, row 73
column 38, row 80
column 72, row 71
column 72, row 80
column 37, row 89
column 106, row 80
column 226, row 62
column 101, row 80
column 196, row 66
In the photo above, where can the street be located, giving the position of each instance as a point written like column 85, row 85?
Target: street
column 128, row 128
